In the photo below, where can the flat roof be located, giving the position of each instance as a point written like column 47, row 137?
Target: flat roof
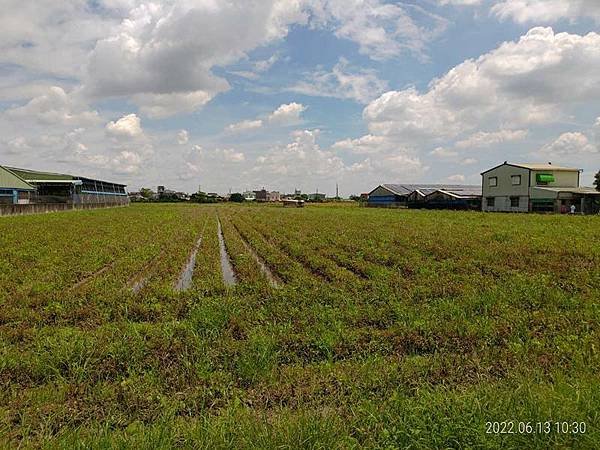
column 535, row 166
column 546, row 166
column 570, row 190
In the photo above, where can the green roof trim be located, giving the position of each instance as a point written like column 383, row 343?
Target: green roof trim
column 33, row 175
column 10, row 180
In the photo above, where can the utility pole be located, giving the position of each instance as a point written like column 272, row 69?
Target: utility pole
column 337, row 191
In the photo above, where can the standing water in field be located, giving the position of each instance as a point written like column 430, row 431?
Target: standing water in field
column 226, row 267
column 185, row 280
column 271, row 278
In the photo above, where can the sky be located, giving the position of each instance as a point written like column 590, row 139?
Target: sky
column 298, row 94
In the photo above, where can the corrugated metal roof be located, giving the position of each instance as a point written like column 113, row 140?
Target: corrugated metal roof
column 464, row 194
column 9, row 180
column 35, row 176
column 27, row 174
column 426, row 189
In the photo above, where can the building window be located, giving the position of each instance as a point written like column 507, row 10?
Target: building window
column 514, row 202
column 516, row 180
column 493, row 181
column 491, row 202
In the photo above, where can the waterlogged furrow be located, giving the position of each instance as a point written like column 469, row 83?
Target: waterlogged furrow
column 207, row 279
column 229, row 277
column 247, row 268
column 291, row 272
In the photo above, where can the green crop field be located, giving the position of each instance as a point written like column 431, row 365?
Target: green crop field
column 348, row 327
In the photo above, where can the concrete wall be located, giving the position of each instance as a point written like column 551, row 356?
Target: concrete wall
column 505, row 189
column 561, row 178
column 17, row 210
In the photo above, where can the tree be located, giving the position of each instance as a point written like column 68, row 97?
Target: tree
column 237, row 198
column 146, row 193
column 597, row 181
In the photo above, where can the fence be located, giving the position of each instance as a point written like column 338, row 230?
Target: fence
column 38, row 208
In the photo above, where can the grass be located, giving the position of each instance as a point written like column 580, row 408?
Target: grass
column 390, row 329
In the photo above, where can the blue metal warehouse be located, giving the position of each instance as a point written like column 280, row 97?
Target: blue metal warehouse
column 436, row 196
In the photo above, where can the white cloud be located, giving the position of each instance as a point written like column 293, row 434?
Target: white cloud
column 460, row 2
column 183, row 137
column 569, row 145
column 443, row 152
column 381, row 30
column 533, row 80
column 244, row 125
column 458, row 178
column 362, row 146
column 230, row 155
column 163, row 53
column 361, row 85
column 127, row 126
column 468, row 162
column 55, row 107
column 287, row 114
column 160, row 106
column 546, row 11
column 486, row 139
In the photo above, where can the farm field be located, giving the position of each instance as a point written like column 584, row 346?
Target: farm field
column 344, row 327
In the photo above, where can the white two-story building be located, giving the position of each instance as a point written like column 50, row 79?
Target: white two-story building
column 536, row 188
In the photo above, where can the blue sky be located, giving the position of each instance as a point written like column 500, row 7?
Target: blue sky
column 298, row 93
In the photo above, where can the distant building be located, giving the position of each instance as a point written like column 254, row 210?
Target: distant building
column 266, row 196
column 261, row 196
column 137, row 197
column 536, row 188
column 317, row 197
column 249, row 196
column 274, row 196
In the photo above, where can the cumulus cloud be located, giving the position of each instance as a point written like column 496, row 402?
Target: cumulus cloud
column 160, row 106
column 362, row 146
column 443, row 152
column 361, row 85
column 460, row 2
column 183, row 137
column 531, row 81
column 244, row 125
column 287, row 114
column 55, row 107
column 381, row 30
column 127, row 126
column 164, row 53
column 546, row 11
column 486, row 139
column 571, row 145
